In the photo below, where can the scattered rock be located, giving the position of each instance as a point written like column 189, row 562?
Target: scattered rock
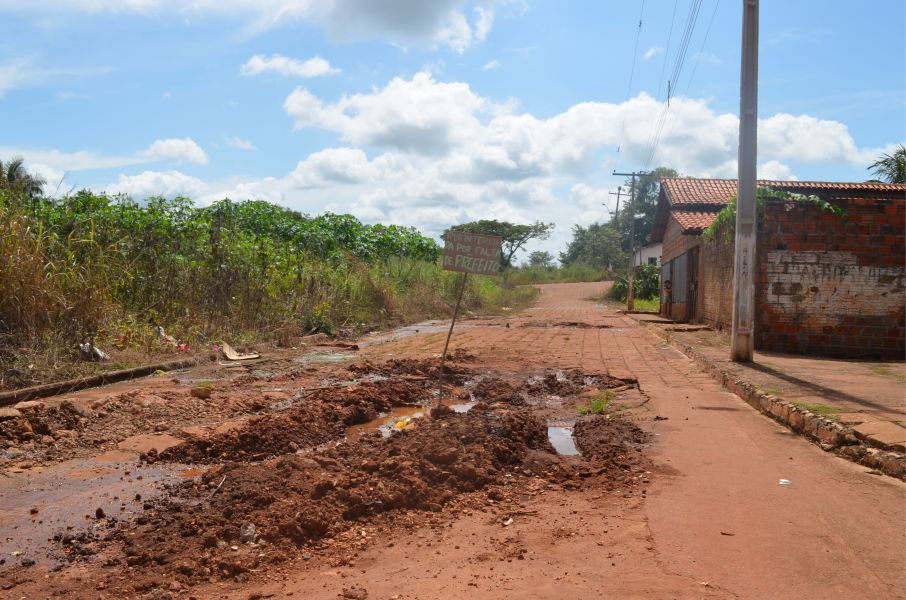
column 248, row 534
column 356, row 592
column 9, row 413
column 202, row 393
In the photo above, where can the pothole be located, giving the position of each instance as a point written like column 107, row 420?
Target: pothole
column 561, row 438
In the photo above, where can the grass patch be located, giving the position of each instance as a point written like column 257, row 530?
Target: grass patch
column 885, row 371
column 653, row 305
column 601, row 404
column 830, row 413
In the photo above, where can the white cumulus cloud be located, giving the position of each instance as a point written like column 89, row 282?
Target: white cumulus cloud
column 157, row 183
column 313, row 67
column 491, row 65
column 240, row 144
column 399, row 21
column 183, row 150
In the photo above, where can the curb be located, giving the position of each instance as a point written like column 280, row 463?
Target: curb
column 81, row 383
column 829, row 435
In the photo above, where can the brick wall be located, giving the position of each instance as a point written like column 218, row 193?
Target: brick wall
column 830, row 285
column 715, row 289
column 675, row 243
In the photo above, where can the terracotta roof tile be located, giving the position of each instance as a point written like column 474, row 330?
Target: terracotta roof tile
column 718, row 191
column 693, row 221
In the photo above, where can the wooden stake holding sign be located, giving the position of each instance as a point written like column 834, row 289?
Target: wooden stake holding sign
column 467, row 253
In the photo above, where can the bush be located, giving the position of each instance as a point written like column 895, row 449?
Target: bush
column 647, row 284
column 91, row 266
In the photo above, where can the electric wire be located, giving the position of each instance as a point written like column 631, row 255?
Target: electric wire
column 701, row 50
column 672, row 84
column 635, row 54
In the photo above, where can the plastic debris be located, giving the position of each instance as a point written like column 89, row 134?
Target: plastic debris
column 92, row 352
column 230, row 354
column 785, row 482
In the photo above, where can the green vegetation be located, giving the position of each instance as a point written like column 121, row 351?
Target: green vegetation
column 599, row 405
column 94, row 267
column 726, row 218
column 597, row 246
column 646, row 285
column 514, row 236
column 575, row 272
column 891, row 167
column 822, row 410
column 885, row 371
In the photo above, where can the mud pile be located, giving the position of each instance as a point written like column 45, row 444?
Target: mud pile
column 614, row 445
column 313, row 419
column 419, row 368
column 223, row 526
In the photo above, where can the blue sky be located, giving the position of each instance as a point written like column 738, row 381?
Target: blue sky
column 435, row 113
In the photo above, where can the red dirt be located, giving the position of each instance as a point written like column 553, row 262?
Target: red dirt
column 463, row 505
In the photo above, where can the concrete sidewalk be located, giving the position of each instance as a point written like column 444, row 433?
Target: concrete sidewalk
column 858, row 407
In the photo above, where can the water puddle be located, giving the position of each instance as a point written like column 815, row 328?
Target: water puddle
column 396, row 420
column 325, row 357
column 41, row 502
column 561, row 439
column 400, row 418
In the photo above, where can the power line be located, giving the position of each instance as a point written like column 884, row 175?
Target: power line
column 635, row 54
column 660, row 83
column 655, row 137
column 702, row 48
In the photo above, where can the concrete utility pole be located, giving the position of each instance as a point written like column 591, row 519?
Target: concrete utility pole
column 630, row 291
column 743, row 338
column 616, row 213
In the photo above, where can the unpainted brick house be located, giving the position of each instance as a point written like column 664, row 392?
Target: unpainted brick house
column 825, row 284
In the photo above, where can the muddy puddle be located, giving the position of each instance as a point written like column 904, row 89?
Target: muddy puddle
column 84, row 497
column 325, row 357
column 561, row 438
column 401, row 418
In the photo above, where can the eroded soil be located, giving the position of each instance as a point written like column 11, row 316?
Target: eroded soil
column 239, row 472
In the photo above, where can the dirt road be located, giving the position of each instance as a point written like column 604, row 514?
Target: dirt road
column 471, row 501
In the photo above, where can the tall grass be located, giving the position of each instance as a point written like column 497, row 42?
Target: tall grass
column 92, row 267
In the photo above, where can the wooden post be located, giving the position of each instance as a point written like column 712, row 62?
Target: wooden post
column 443, row 357
column 743, row 335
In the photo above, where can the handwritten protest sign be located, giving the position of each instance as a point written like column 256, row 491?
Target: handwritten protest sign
column 472, row 253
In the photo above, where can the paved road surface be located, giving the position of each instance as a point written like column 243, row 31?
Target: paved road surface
column 715, row 522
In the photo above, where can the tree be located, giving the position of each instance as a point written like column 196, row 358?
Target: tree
column 540, row 258
column 16, row 180
column 646, row 193
column 514, row 236
column 597, row 246
column 891, row 167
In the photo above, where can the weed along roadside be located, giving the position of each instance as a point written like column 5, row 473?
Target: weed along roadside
column 154, row 282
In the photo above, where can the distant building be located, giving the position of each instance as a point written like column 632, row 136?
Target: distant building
column 647, row 255
column 825, row 284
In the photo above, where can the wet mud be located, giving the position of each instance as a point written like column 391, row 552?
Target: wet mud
column 287, row 461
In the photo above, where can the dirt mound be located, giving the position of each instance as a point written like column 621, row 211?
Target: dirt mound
column 417, row 367
column 209, row 529
column 615, row 445
column 494, row 389
column 314, row 419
